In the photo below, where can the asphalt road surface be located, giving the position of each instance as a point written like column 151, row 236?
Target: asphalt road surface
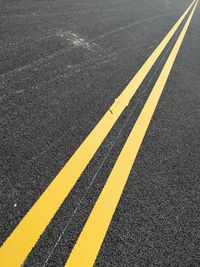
column 63, row 63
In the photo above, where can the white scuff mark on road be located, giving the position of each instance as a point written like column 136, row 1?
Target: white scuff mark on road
column 20, row 91
column 75, row 40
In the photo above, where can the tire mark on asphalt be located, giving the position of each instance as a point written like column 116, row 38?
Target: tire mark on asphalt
column 78, row 68
column 61, row 51
column 46, row 148
column 135, row 23
column 50, row 14
column 44, row 37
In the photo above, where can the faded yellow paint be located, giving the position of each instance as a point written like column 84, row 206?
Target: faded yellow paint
column 89, row 242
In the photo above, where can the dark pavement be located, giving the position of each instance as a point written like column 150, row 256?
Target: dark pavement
column 62, row 64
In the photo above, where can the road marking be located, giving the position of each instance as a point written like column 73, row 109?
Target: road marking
column 90, row 240
column 24, row 237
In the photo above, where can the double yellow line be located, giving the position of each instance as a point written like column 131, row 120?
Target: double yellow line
column 24, row 237
column 89, row 242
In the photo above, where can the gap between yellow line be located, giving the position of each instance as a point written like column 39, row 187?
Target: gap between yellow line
column 89, row 242
column 24, row 237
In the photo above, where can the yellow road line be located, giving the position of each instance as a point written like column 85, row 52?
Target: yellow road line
column 24, row 237
column 89, row 242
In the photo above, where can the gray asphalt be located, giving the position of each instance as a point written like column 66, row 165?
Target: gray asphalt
column 62, row 64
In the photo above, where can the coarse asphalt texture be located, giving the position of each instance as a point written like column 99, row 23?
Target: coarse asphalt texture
column 62, row 64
